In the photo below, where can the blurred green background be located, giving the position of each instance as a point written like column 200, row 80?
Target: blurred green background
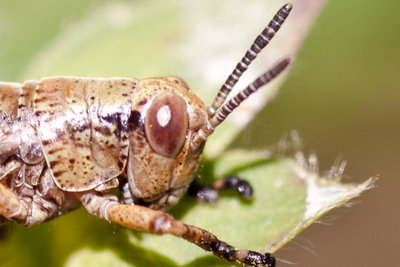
column 341, row 96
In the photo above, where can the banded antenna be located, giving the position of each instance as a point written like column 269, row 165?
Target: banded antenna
column 234, row 102
column 259, row 43
column 218, row 111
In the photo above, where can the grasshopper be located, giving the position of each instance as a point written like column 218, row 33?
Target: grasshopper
column 68, row 141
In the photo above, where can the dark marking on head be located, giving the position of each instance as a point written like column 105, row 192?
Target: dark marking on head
column 135, row 121
column 143, row 102
column 92, row 98
column 72, row 161
column 54, row 163
column 124, row 94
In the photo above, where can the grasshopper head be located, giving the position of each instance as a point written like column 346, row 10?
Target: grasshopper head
column 170, row 125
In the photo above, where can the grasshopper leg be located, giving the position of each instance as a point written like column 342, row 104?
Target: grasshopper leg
column 154, row 221
column 210, row 193
column 27, row 210
column 148, row 220
column 10, row 207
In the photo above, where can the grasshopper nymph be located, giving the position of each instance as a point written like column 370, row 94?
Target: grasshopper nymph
column 67, row 141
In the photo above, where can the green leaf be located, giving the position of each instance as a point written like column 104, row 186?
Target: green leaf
column 288, row 196
column 201, row 42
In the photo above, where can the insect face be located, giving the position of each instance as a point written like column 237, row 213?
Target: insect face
column 164, row 118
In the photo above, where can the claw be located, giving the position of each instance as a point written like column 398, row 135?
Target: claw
column 259, row 260
column 269, row 260
column 244, row 188
column 241, row 186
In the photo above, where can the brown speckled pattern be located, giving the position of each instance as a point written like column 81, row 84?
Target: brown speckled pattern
column 79, row 134
column 83, row 125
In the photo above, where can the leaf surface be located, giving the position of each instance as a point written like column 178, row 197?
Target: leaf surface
column 201, row 42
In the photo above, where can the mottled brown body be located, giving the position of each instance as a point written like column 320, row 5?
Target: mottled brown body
column 67, row 141
column 80, row 134
column 24, row 176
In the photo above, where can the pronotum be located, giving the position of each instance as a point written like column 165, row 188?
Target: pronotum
column 67, row 141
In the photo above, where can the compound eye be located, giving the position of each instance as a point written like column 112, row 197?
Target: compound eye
column 166, row 124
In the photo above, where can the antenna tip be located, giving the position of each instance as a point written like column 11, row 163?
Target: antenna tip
column 284, row 62
column 288, row 7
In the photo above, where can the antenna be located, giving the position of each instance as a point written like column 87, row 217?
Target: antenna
column 234, row 102
column 259, row 43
